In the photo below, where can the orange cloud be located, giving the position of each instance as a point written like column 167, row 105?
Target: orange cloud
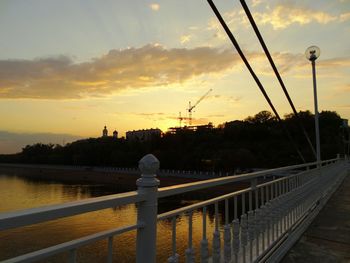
column 280, row 16
column 283, row 16
column 132, row 68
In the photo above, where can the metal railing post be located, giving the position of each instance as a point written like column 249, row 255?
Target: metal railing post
column 147, row 210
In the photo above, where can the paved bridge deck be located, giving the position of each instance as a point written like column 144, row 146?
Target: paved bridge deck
column 328, row 237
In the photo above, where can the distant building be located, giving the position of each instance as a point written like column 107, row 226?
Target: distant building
column 143, row 135
column 115, row 134
column 105, row 132
column 174, row 130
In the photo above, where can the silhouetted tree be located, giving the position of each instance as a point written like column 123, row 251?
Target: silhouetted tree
column 258, row 141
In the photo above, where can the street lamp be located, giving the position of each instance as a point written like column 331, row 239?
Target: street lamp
column 312, row 53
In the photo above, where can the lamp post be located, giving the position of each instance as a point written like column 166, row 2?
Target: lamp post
column 312, row 53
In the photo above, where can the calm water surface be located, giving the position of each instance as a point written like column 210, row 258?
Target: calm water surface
column 20, row 193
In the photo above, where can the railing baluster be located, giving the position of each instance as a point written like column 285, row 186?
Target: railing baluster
column 278, row 214
column 244, row 236
column 298, row 181
column 110, row 250
column 285, row 212
column 256, row 194
column 216, row 236
column 235, row 239
column 257, row 230
column 267, row 194
column 227, row 235
column 272, row 219
column 262, row 196
column 243, row 203
column 272, row 192
column 250, row 201
column 280, row 187
column 190, row 251
column 251, row 233
column 290, row 208
column 174, row 257
column 268, row 222
column 287, row 185
column 235, row 206
column 226, row 212
column 204, row 241
column 73, row 256
column 263, row 225
column 275, row 219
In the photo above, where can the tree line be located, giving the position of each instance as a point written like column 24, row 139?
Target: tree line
column 257, row 141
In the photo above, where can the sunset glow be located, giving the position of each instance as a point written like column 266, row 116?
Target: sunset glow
column 67, row 68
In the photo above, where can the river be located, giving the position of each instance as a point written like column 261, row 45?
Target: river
column 22, row 193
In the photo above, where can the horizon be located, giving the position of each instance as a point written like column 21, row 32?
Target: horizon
column 70, row 68
column 17, row 141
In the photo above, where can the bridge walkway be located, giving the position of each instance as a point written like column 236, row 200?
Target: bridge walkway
column 328, row 237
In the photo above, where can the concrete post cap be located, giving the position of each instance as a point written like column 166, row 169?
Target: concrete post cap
column 149, row 164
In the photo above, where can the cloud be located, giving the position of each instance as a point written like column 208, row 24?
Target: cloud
column 200, row 121
column 118, row 70
column 344, row 17
column 256, row 2
column 346, row 106
column 151, row 114
column 155, row 116
column 294, row 63
column 344, row 88
column 230, row 99
column 282, row 16
column 11, row 142
column 154, row 6
column 185, row 38
column 334, row 62
column 132, row 69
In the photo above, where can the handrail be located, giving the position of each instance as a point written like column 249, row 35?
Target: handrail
column 211, row 201
column 183, row 188
column 73, row 244
column 46, row 213
column 192, row 207
column 37, row 215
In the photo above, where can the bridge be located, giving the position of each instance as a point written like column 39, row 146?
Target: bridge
column 262, row 220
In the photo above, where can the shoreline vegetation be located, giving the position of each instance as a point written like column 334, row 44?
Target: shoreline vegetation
column 257, row 141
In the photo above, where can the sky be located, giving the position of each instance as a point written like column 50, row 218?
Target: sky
column 70, row 67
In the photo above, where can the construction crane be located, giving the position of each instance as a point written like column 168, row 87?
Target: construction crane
column 180, row 118
column 191, row 107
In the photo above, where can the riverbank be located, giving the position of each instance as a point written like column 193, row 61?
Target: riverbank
column 87, row 175
column 84, row 175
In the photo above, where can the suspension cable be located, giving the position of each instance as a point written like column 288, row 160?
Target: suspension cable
column 236, row 45
column 267, row 53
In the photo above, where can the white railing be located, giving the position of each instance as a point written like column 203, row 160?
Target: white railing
column 261, row 222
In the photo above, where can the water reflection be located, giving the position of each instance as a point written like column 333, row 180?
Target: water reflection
column 19, row 193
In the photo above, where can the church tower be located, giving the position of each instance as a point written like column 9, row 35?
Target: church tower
column 115, row 134
column 105, row 132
